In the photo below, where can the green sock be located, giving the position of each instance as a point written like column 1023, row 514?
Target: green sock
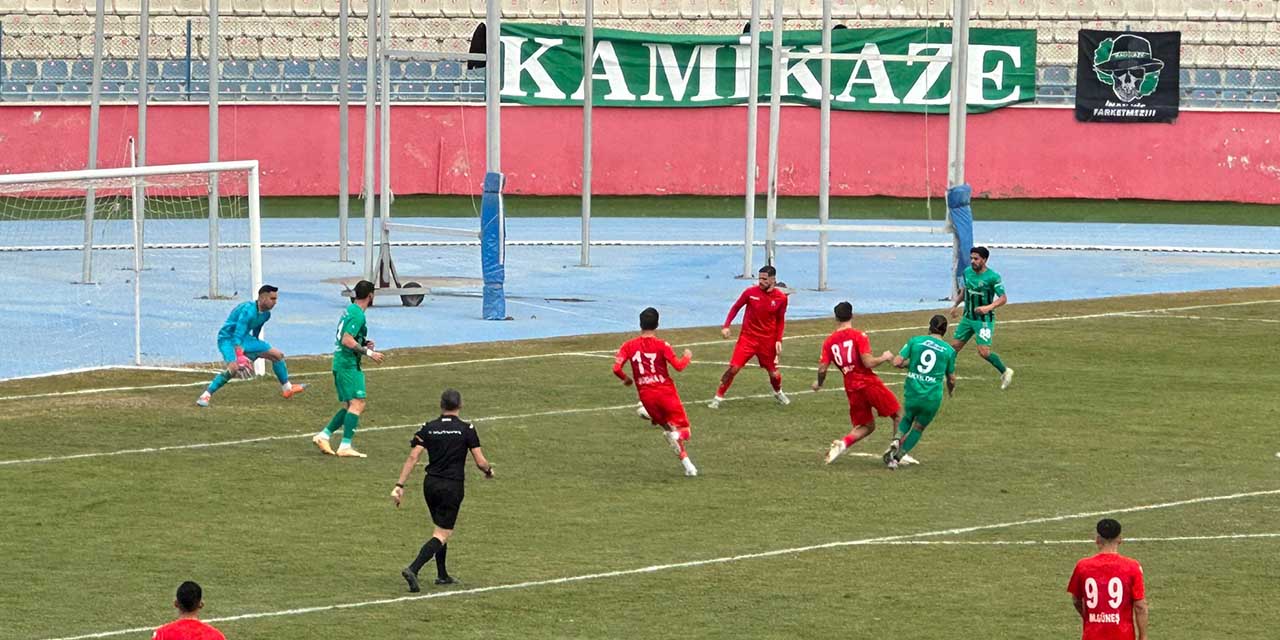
column 904, row 425
column 912, row 439
column 335, row 422
column 349, row 428
column 995, row 362
column 218, row 381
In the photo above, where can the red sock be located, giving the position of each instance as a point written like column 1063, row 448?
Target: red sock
column 775, row 379
column 849, row 440
column 683, row 454
column 684, row 434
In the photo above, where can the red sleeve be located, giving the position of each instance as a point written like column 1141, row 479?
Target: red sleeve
column 825, row 356
column 670, row 355
column 1073, row 586
column 733, row 311
column 1137, row 588
column 782, row 318
column 621, row 359
column 861, row 343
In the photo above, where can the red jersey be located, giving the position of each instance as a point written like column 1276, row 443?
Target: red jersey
column 844, row 348
column 766, row 314
column 649, row 356
column 1108, row 584
column 187, row 629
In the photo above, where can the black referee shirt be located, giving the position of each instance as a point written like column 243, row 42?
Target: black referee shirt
column 447, row 440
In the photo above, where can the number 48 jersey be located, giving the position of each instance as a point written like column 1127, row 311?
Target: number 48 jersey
column 649, row 356
column 1107, row 584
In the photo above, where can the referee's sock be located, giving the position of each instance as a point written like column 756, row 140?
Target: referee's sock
column 441, row 571
column 424, row 555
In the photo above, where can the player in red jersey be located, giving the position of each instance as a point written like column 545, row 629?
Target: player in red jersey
column 1107, row 590
column 850, row 350
column 649, row 356
column 761, row 336
column 189, row 601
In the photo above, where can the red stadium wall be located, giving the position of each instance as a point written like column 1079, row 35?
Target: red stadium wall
column 1018, row 152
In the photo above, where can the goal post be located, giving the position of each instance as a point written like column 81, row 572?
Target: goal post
column 95, row 292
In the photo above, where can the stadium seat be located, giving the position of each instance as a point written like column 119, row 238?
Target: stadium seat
column 173, row 70
column 1203, row 98
column 290, row 91
column 1184, row 77
column 1267, row 80
column 258, row 91
column 1051, row 95
column 326, row 70
column 1059, row 54
column 277, row 7
column 1056, row 76
column 448, row 70
column 167, row 91
column 1200, row 9
column 1170, row 10
column 115, row 69
column 441, row 91
column 308, row 48
column 455, row 8
column 1082, row 9
column 1237, row 79
column 1264, row 100
column 76, row 91
column 265, row 69
column 408, row 91
column 321, row 91
column 44, row 91
column 109, row 90
column 285, row 27
column 1066, row 31
column 1231, row 9
column 198, row 91
column 1225, row 32
column 1052, row 9
column 199, row 70
column 1022, row 9
column 1235, row 99
column 252, row 27
column 76, row 25
column 355, row 91
column 1242, row 56
column 274, row 47
column 1263, row 10
column 82, row 70
column 1208, row 55
column 14, row 92
column 235, row 70
column 297, row 70
column 603, row 8
column 694, row 9
column 311, row 7
column 243, row 48
column 1206, row 78
column 54, row 70
column 417, row 70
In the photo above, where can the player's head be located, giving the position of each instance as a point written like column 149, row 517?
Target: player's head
column 267, row 297
column 649, row 319
column 1108, row 531
column 363, row 290
column 844, row 311
column 978, row 257
column 938, row 325
column 190, row 597
column 768, row 277
column 450, row 400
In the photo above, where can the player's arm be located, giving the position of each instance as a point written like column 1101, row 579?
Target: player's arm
column 900, row 360
column 1000, row 300
column 781, row 323
column 951, row 384
column 869, row 361
column 822, row 374
column 619, row 360
column 678, row 363
column 349, row 341
column 482, row 463
column 733, row 313
column 1140, row 618
column 398, row 492
column 1078, row 603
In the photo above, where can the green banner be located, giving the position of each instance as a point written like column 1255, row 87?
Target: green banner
column 542, row 65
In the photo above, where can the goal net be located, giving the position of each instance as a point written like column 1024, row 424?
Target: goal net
column 111, row 267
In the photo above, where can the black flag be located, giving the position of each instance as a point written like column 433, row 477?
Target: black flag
column 1127, row 76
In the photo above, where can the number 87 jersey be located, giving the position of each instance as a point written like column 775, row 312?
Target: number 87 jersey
column 1107, row 585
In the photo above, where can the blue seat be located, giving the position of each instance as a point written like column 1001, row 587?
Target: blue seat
column 1204, row 98
column 14, row 91
column 110, row 90
column 442, row 91
column 129, row 90
column 1238, row 79
column 46, row 91
column 355, row 90
column 410, row 91
column 325, row 70
column 290, row 91
column 258, row 91
column 153, row 70
column 395, row 69
column 115, row 69
column 1056, row 76
column 299, row 70
column 76, row 91
column 1265, row 99
column 417, row 70
column 1050, row 94
column 1206, row 79
column 54, row 70
column 82, row 70
column 168, row 91
column 474, row 89
column 320, row 91
column 475, row 74
column 199, row 70
column 265, row 69
column 1267, row 80
column 199, row 91
column 174, row 70
column 1184, row 77
column 235, row 70
column 356, row 69
column 448, row 70
column 1236, row 98
column 23, row 70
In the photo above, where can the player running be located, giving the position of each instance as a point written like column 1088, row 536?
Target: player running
column 649, row 356
column 761, row 335
column 348, row 377
column 239, row 345
column 928, row 360
column 850, row 350
column 983, row 294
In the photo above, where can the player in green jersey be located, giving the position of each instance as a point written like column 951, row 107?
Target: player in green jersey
column 349, row 345
column 983, row 293
column 928, row 360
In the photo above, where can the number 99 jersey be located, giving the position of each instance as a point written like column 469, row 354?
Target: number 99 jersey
column 1107, row 584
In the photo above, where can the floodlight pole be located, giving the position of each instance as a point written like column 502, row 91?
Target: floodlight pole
column 214, row 204
column 344, row 127
column 824, row 146
column 588, row 66
column 775, row 116
column 144, row 41
column 959, row 94
column 493, row 80
column 370, row 82
column 95, row 105
column 753, row 108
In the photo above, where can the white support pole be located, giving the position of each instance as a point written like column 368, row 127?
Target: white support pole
column 959, row 94
column 588, row 66
column 144, row 42
column 344, row 126
column 753, row 109
column 255, row 248
column 370, row 83
column 493, row 100
column 384, row 115
column 775, row 121
column 95, row 105
column 824, row 147
column 214, row 203
column 139, row 187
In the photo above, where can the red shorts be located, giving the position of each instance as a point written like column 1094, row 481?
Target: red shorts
column 664, row 408
column 872, row 394
column 764, row 351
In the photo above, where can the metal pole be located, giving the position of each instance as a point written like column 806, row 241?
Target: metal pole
column 371, row 33
column 753, row 109
column 214, row 202
column 959, row 94
column 588, row 66
column 187, row 79
column 144, row 42
column 344, row 127
column 824, row 147
column 775, row 112
column 384, row 137
column 255, row 247
column 493, row 101
column 138, row 195
column 95, row 105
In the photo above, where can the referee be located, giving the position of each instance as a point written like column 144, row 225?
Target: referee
column 447, row 440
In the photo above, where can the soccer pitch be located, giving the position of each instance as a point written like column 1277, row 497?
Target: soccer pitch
column 1158, row 410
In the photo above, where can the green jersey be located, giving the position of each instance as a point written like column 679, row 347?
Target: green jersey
column 980, row 290
column 929, row 361
column 352, row 322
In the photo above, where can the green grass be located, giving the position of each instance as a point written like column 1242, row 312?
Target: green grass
column 1105, row 413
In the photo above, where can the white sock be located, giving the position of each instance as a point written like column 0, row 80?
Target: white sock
column 688, row 464
column 286, row 386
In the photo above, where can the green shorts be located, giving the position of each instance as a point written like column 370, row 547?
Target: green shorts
column 921, row 410
column 350, row 384
column 984, row 329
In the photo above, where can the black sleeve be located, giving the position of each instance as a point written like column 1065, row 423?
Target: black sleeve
column 472, row 436
column 419, row 438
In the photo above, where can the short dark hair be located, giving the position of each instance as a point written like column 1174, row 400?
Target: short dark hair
column 648, row 319
column 266, row 288
column 450, row 400
column 363, row 289
column 844, row 311
column 982, row 251
column 938, row 324
column 1108, row 529
column 189, row 597
column 768, row 268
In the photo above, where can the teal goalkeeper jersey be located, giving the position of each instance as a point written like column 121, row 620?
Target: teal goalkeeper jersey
column 244, row 321
column 929, row 360
column 352, row 322
column 981, row 289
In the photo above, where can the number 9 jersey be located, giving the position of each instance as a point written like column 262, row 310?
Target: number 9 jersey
column 1107, row 584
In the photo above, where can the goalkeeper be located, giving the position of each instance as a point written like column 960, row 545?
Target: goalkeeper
column 239, row 345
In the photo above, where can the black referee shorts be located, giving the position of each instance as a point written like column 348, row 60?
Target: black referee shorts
column 444, row 499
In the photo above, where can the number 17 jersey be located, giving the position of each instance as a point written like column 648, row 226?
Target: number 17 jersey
column 648, row 356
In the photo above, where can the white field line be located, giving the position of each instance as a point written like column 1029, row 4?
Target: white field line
column 1179, row 317
column 694, row 563
column 1109, row 314
column 997, row 543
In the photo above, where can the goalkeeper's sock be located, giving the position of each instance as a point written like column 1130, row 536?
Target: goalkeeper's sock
column 334, row 422
column 904, row 425
column 217, row 383
column 349, row 423
column 282, row 373
column 912, row 439
column 996, row 362
column 442, row 572
column 431, row 548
